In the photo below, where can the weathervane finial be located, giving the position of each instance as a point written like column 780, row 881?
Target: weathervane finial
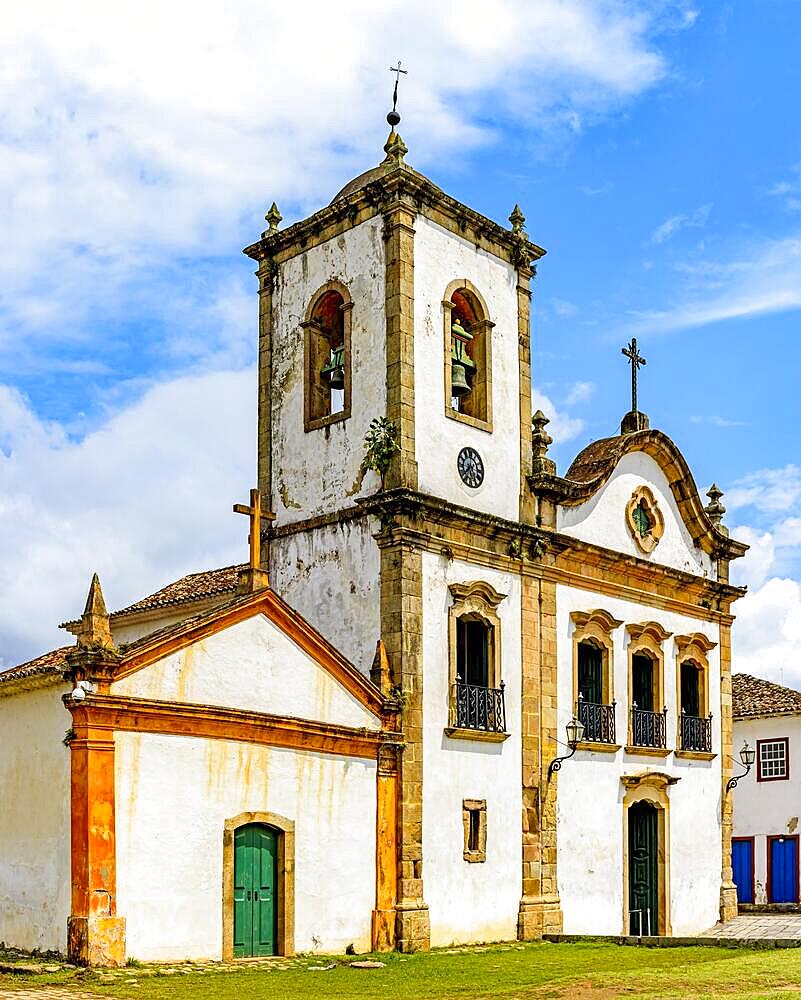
column 393, row 117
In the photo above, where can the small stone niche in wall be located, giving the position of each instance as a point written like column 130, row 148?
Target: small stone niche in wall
column 474, row 820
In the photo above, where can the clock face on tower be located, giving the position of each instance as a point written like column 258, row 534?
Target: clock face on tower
column 471, row 468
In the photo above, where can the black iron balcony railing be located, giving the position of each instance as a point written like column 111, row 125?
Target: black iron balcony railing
column 696, row 734
column 480, row 708
column 598, row 721
column 648, row 729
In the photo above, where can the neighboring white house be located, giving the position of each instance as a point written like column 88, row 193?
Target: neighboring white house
column 767, row 803
column 356, row 738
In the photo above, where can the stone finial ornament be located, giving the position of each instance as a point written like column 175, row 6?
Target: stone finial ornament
column 380, row 672
column 540, row 441
column 715, row 509
column 94, row 629
column 273, row 218
column 395, row 148
column 518, row 220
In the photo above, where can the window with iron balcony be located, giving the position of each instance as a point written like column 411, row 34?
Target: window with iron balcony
column 692, row 684
column 593, row 674
column 477, row 708
column 648, row 713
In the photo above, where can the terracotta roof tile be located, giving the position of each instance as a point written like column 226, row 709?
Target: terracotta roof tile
column 48, row 663
column 193, row 587
column 594, row 460
column 753, row 697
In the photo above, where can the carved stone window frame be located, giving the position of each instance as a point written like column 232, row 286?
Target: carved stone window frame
column 647, row 543
column 311, row 330
column 693, row 648
column 647, row 639
column 478, row 854
column 596, row 628
column 477, row 599
column 483, row 327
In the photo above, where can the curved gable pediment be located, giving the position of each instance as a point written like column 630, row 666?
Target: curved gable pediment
column 598, row 499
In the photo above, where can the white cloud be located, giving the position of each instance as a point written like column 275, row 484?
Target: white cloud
column 138, row 134
column 142, row 500
column 580, row 392
column 766, row 638
column 717, row 421
column 562, row 427
column 769, row 491
column 766, row 281
column 670, row 227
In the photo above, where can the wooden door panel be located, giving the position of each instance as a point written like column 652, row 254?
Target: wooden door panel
column 243, row 891
column 643, row 869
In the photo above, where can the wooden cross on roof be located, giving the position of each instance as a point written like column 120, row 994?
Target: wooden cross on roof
column 257, row 533
column 636, row 360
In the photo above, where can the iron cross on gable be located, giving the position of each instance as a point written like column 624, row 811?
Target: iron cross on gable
column 257, row 532
column 636, row 360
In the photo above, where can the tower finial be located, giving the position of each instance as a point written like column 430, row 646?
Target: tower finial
column 540, row 440
column 393, row 117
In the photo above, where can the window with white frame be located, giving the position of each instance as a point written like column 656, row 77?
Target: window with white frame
column 773, row 759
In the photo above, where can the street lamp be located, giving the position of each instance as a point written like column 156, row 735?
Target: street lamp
column 747, row 757
column 575, row 734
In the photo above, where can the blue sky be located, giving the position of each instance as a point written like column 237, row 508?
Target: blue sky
column 655, row 149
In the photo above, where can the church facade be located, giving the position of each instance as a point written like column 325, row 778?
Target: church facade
column 454, row 697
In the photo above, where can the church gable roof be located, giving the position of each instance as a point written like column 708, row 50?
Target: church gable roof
column 593, row 467
column 755, row 698
column 47, row 665
column 157, row 645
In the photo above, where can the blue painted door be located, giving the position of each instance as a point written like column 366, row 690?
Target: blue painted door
column 783, row 862
column 742, row 862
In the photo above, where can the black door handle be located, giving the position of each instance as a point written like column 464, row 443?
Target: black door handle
column 249, row 896
column 256, row 895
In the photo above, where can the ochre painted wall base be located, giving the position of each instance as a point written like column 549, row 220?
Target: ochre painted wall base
column 97, row 940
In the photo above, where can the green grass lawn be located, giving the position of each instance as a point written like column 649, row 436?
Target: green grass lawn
column 553, row 972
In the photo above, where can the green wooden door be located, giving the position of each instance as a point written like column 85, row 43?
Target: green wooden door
column 255, row 885
column 642, row 682
column 643, row 869
column 590, row 673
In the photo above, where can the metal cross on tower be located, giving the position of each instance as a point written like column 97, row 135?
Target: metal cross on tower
column 636, row 360
column 393, row 117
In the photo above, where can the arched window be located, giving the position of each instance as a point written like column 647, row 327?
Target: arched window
column 692, row 689
column 468, row 355
column 327, row 357
column 593, row 675
column 647, row 715
column 474, row 640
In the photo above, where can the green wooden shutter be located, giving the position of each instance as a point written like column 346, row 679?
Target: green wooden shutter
column 243, row 884
column 690, row 695
column 590, row 673
column 264, row 891
column 643, row 867
column 642, row 682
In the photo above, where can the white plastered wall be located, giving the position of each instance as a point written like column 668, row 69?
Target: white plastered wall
column 602, row 519
column 34, row 819
column 441, row 257
column 590, row 797
column 331, row 575
column 318, row 471
column 765, row 809
column 469, row 901
column 252, row 665
column 174, row 795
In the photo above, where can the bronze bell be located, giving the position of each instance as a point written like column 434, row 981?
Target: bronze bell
column 333, row 373
column 459, row 383
column 462, row 365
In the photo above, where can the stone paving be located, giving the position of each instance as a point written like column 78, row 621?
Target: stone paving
column 759, row 926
